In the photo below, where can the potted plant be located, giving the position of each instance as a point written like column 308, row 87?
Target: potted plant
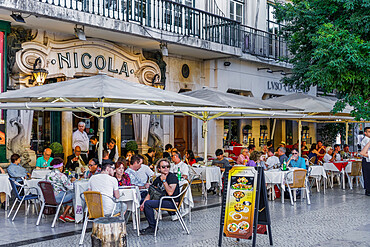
column 131, row 146
column 246, row 129
column 263, row 127
column 305, row 128
column 57, row 150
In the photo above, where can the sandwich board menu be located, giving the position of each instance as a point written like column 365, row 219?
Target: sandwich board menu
column 244, row 211
column 240, row 200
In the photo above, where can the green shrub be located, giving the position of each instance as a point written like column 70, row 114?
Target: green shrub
column 131, row 146
column 56, row 148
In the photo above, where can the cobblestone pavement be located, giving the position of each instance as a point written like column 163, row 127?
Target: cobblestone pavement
column 340, row 218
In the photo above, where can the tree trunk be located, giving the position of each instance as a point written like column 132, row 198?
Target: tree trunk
column 108, row 231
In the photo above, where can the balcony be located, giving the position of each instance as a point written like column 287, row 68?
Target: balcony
column 159, row 20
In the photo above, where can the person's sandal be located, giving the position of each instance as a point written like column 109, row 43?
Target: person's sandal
column 69, row 218
column 61, row 218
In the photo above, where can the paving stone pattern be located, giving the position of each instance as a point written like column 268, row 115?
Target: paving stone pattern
column 340, row 218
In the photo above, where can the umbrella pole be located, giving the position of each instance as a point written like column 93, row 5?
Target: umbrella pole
column 101, row 135
column 347, row 133
column 205, row 130
column 300, row 137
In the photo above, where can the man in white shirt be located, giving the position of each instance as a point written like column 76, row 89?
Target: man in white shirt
column 328, row 157
column 184, row 168
column 366, row 160
column 108, row 187
column 336, row 153
column 80, row 138
column 144, row 173
column 272, row 161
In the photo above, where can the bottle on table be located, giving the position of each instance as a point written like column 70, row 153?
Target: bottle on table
column 284, row 166
column 178, row 174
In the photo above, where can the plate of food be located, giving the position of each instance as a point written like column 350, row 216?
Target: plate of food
column 235, row 215
column 238, row 195
column 239, row 207
column 233, row 227
column 243, row 226
column 242, row 180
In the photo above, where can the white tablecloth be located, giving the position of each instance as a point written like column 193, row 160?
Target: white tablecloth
column 317, row 171
column 5, row 184
column 40, row 173
column 210, row 174
column 276, row 176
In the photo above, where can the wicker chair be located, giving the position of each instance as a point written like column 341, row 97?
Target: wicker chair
column 299, row 182
column 355, row 173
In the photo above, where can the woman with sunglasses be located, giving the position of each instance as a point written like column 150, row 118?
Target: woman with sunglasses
column 295, row 160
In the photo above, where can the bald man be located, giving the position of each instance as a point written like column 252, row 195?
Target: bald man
column 44, row 161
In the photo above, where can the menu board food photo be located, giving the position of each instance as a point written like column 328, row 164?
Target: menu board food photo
column 239, row 208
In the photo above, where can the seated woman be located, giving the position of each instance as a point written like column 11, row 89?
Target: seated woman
column 62, row 186
column 313, row 153
column 256, row 158
column 190, row 158
column 243, row 158
column 129, row 154
column 122, row 177
column 295, row 160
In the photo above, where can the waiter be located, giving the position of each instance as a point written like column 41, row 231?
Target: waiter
column 365, row 144
column 80, row 138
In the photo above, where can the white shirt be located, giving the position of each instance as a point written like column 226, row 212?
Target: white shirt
column 184, row 168
column 364, row 141
column 272, row 161
column 359, row 139
column 144, row 173
column 80, row 139
column 104, row 184
column 337, row 157
column 327, row 158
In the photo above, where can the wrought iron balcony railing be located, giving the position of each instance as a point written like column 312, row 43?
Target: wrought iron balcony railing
column 180, row 19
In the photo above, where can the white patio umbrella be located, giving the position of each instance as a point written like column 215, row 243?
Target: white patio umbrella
column 103, row 96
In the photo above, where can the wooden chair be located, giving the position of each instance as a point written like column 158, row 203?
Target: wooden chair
column 299, row 182
column 355, row 173
column 94, row 203
column 181, row 196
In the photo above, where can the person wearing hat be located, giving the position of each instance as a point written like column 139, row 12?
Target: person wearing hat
column 62, row 186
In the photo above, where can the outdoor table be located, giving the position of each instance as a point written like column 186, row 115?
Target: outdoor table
column 338, row 166
column 209, row 174
column 40, row 173
column 6, row 188
column 130, row 195
column 318, row 172
column 277, row 176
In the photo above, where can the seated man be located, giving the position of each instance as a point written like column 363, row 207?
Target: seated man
column 329, row 157
column 15, row 170
column 220, row 161
column 144, row 173
column 44, row 161
column 105, row 159
column 272, row 160
column 336, row 153
column 295, row 160
column 93, row 168
column 150, row 156
column 77, row 162
column 168, row 183
column 345, row 154
column 282, row 155
column 107, row 185
column 184, row 168
column 134, row 166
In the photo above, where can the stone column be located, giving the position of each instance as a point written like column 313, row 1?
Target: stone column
column 67, row 132
column 256, row 123
column 116, row 130
column 141, row 129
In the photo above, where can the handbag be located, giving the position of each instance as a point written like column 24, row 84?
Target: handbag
column 155, row 193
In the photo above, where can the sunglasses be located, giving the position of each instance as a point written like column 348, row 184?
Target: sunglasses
column 165, row 166
column 294, row 153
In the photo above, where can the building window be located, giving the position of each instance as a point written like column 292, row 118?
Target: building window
column 272, row 25
column 236, row 10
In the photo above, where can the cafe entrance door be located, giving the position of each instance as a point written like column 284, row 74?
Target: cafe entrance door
column 183, row 136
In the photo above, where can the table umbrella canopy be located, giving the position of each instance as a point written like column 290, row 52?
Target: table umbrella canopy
column 95, row 88
column 309, row 103
column 239, row 101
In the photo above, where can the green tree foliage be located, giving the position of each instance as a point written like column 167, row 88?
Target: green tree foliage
column 330, row 45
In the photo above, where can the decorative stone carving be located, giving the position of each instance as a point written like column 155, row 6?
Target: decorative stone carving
column 85, row 58
column 158, row 58
column 156, row 131
column 16, row 144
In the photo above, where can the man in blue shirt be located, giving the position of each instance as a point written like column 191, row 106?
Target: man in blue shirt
column 15, row 170
column 44, row 161
column 295, row 160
